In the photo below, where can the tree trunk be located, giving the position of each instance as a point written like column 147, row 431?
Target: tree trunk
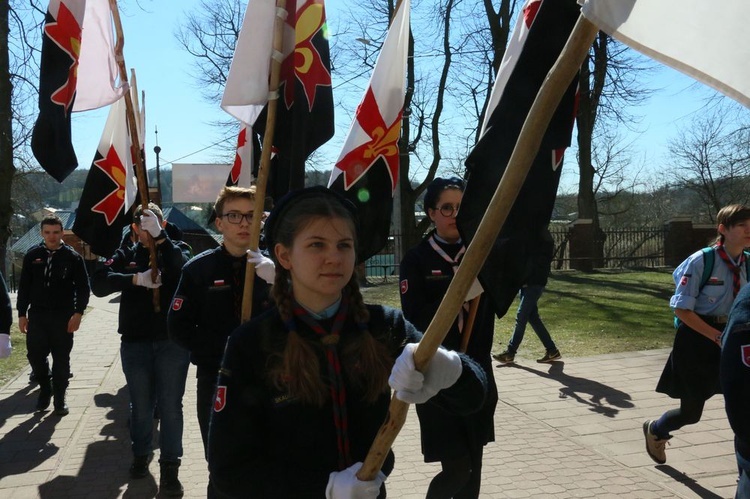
column 7, row 170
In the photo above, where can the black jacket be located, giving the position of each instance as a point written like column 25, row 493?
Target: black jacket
column 6, row 310
column 265, row 444
column 424, row 280
column 735, row 374
column 67, row 290
column 137, row 319
column 207, row 305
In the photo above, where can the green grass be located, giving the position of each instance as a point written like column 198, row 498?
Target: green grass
column 17, row 361
column 587, row 313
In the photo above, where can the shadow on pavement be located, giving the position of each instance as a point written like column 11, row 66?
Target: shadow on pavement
column 18, row 403
column 27, row 446
column 602, row 399
column 104, row 471
column 687, row 481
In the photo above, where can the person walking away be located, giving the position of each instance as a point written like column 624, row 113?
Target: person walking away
column 691, row 373
column 304, row 388
column 6, row 320
column 456, row 441
column 53, row 293
column 734, row 369
column 155, row 367
column 540, row 258
column 207, row 305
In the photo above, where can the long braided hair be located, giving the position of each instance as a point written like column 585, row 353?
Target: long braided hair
column 366, row 362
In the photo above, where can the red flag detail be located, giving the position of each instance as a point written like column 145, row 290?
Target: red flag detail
column 383, row 143
column 114, row 202
column 66, row 33
column 305, row 63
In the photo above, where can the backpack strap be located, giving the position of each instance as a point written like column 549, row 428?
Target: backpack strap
column 708, row 265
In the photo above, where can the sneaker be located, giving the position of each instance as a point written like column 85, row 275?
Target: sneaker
column 655, row 446
column 139, row 468
column 550, row 356
column 506, row 357
column 62, row 410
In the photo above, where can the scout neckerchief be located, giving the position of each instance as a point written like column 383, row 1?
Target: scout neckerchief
column 48, row 267
column 337, row 388
column 735, row 268
column 454, row 263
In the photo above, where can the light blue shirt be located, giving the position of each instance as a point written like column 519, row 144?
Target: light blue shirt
column 717, row 295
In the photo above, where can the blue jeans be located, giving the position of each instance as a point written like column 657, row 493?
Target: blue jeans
column 155, row 372
column 528, row 312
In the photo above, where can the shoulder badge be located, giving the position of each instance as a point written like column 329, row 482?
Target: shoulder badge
column 404, row 286
column 745, row 349
column 176, row 304
column 221, row 398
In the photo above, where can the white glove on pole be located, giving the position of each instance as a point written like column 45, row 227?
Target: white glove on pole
column 264, row 267
column 345, row 484
column 5, row 347
column 475, row 290
column 150, row 223
column 414, row 387
column 144, row 279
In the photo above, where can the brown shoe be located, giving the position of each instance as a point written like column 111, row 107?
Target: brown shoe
column 655, row 446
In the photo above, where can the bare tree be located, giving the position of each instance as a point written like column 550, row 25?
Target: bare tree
column 711, row 157
column 450, row 65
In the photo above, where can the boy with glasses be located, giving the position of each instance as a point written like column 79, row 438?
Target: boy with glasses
column 208, row 303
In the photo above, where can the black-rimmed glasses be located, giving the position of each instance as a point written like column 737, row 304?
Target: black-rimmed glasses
column 448, row 210
column 236, row 218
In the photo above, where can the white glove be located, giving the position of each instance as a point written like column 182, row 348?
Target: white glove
column 150, row 223
column 414, row 387
column 475, row 290
column 144, row 279
column 264, row 266
column 5, row 346
column 345, row 484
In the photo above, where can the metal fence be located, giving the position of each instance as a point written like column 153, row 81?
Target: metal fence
column 620, row 248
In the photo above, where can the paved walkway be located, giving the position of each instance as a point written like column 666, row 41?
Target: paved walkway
column 571, row 429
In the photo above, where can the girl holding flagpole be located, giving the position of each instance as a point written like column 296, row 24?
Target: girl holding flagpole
column 303, row 388
column 456, row 441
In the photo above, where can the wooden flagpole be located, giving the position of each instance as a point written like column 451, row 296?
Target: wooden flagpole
column 135, row 144
column 265, row 156
column 527, row 146
column 469, row 326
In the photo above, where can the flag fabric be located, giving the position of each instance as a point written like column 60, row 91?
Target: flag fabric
column 244, row 168
column 715, row 51
column 538, row 38
column 304, row 119
column 367, row 170
column 110, row 188
column 77, row 72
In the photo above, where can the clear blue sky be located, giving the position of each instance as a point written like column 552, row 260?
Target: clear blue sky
column 183, row 118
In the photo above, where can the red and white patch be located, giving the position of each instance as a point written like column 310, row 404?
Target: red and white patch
column 132, row 264
column 219, row 282
column 745, row 349
column 404, row 286
column 220, row 401
column 108, row 262
column 176, row 304
column 437, row 272
column 684, row 280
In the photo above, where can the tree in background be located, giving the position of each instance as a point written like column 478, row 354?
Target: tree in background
column 711, row 157
column 451, row 71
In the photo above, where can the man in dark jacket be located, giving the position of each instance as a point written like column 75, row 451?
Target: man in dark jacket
column 735, row 384
column 52, row 295
column 155, row 367
column 208, row 301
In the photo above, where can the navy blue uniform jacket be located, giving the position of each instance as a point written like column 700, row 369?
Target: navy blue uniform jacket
column 265, row 444
column 425, row 277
